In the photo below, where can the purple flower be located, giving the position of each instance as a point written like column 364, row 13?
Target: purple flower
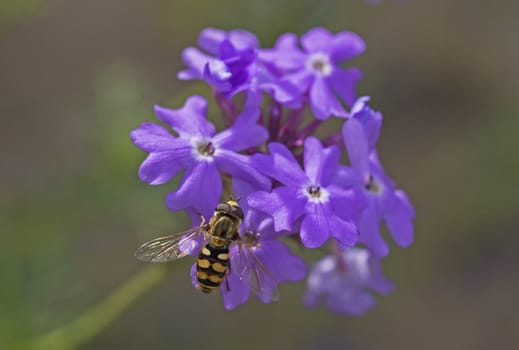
column 231, row 67
column 383, row 200
column 324, row 208
column 316, row 69
column 198, row 151
column 279, row 264
column 210, row 40
column 344, row 281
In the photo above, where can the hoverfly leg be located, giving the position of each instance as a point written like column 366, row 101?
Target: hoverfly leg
column 227, row 287
column 202, row 218
column 227, row 273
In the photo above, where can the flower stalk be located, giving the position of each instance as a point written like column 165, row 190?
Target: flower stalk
column 93, row 321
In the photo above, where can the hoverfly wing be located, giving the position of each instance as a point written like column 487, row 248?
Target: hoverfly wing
column 171, row 247
column 248, row 265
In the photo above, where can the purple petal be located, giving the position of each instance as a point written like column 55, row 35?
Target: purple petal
column 190, row 120
column 356, row 145
column 370, row 120
column 241, row 166
column 378, row 282
column 351, row 302
column 217, row 74
column 160, row 167
column 378, row 171
column 243, row 40
column 284, row 204
column 282, row 166
column 195, row 60
column 210, row 39
column 245, row 132
column 345, row 46
column 189, row 74
column 239, row 288
column 323, row 101
column 242, row 189
column 227, row 50
column 287, row 41
column 200, row 188
column 322, row 280
column 370, row 229
column 345, row 232
column 238, row 61
column 282, row 91
column 399, row 220
column 317, row 39
column 360, row 104
column 168, row 155
column 151, row 137
column 343, row 83
column 348, row 204
column 302, row 79
column 320, row 164
column 320, row 224
column 258, row 221
column 315, row 229
column 283, row 266
column 348, row 177
column 286, row 55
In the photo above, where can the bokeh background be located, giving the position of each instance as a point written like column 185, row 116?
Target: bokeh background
column 77, row 76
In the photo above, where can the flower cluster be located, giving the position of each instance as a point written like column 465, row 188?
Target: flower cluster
column 292, row 184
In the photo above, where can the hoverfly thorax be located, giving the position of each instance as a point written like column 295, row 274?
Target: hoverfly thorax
column 227, row 219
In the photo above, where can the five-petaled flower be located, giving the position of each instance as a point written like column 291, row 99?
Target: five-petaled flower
column 343, row 281
column 382, row 199
column 201, row 153
column 325, row 208
column 232, row 67
column 316, row 69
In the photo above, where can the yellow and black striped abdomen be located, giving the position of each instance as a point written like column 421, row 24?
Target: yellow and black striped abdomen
column 211, row 267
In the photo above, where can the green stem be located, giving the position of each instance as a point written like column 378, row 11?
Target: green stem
column 93, row 321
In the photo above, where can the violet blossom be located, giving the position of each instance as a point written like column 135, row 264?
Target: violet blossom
column 344, row 280
column 201, row 153
column 316, row 69
column 309, row 195
column 383, row 199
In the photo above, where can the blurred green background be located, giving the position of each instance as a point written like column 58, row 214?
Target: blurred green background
column 77, row 76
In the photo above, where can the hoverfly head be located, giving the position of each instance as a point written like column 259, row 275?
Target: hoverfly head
column 231, row 207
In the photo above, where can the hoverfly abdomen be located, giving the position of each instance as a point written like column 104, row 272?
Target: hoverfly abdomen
column 211, row 267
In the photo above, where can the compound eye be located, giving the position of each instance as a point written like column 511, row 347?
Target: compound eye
column 238, row 212
column 223, row 207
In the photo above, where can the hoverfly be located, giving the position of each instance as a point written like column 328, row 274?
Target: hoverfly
column 213, row 265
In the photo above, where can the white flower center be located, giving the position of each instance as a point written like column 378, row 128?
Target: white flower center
column 320, row 63
column 373, row 185
column 316, row 194
column 203, row 149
